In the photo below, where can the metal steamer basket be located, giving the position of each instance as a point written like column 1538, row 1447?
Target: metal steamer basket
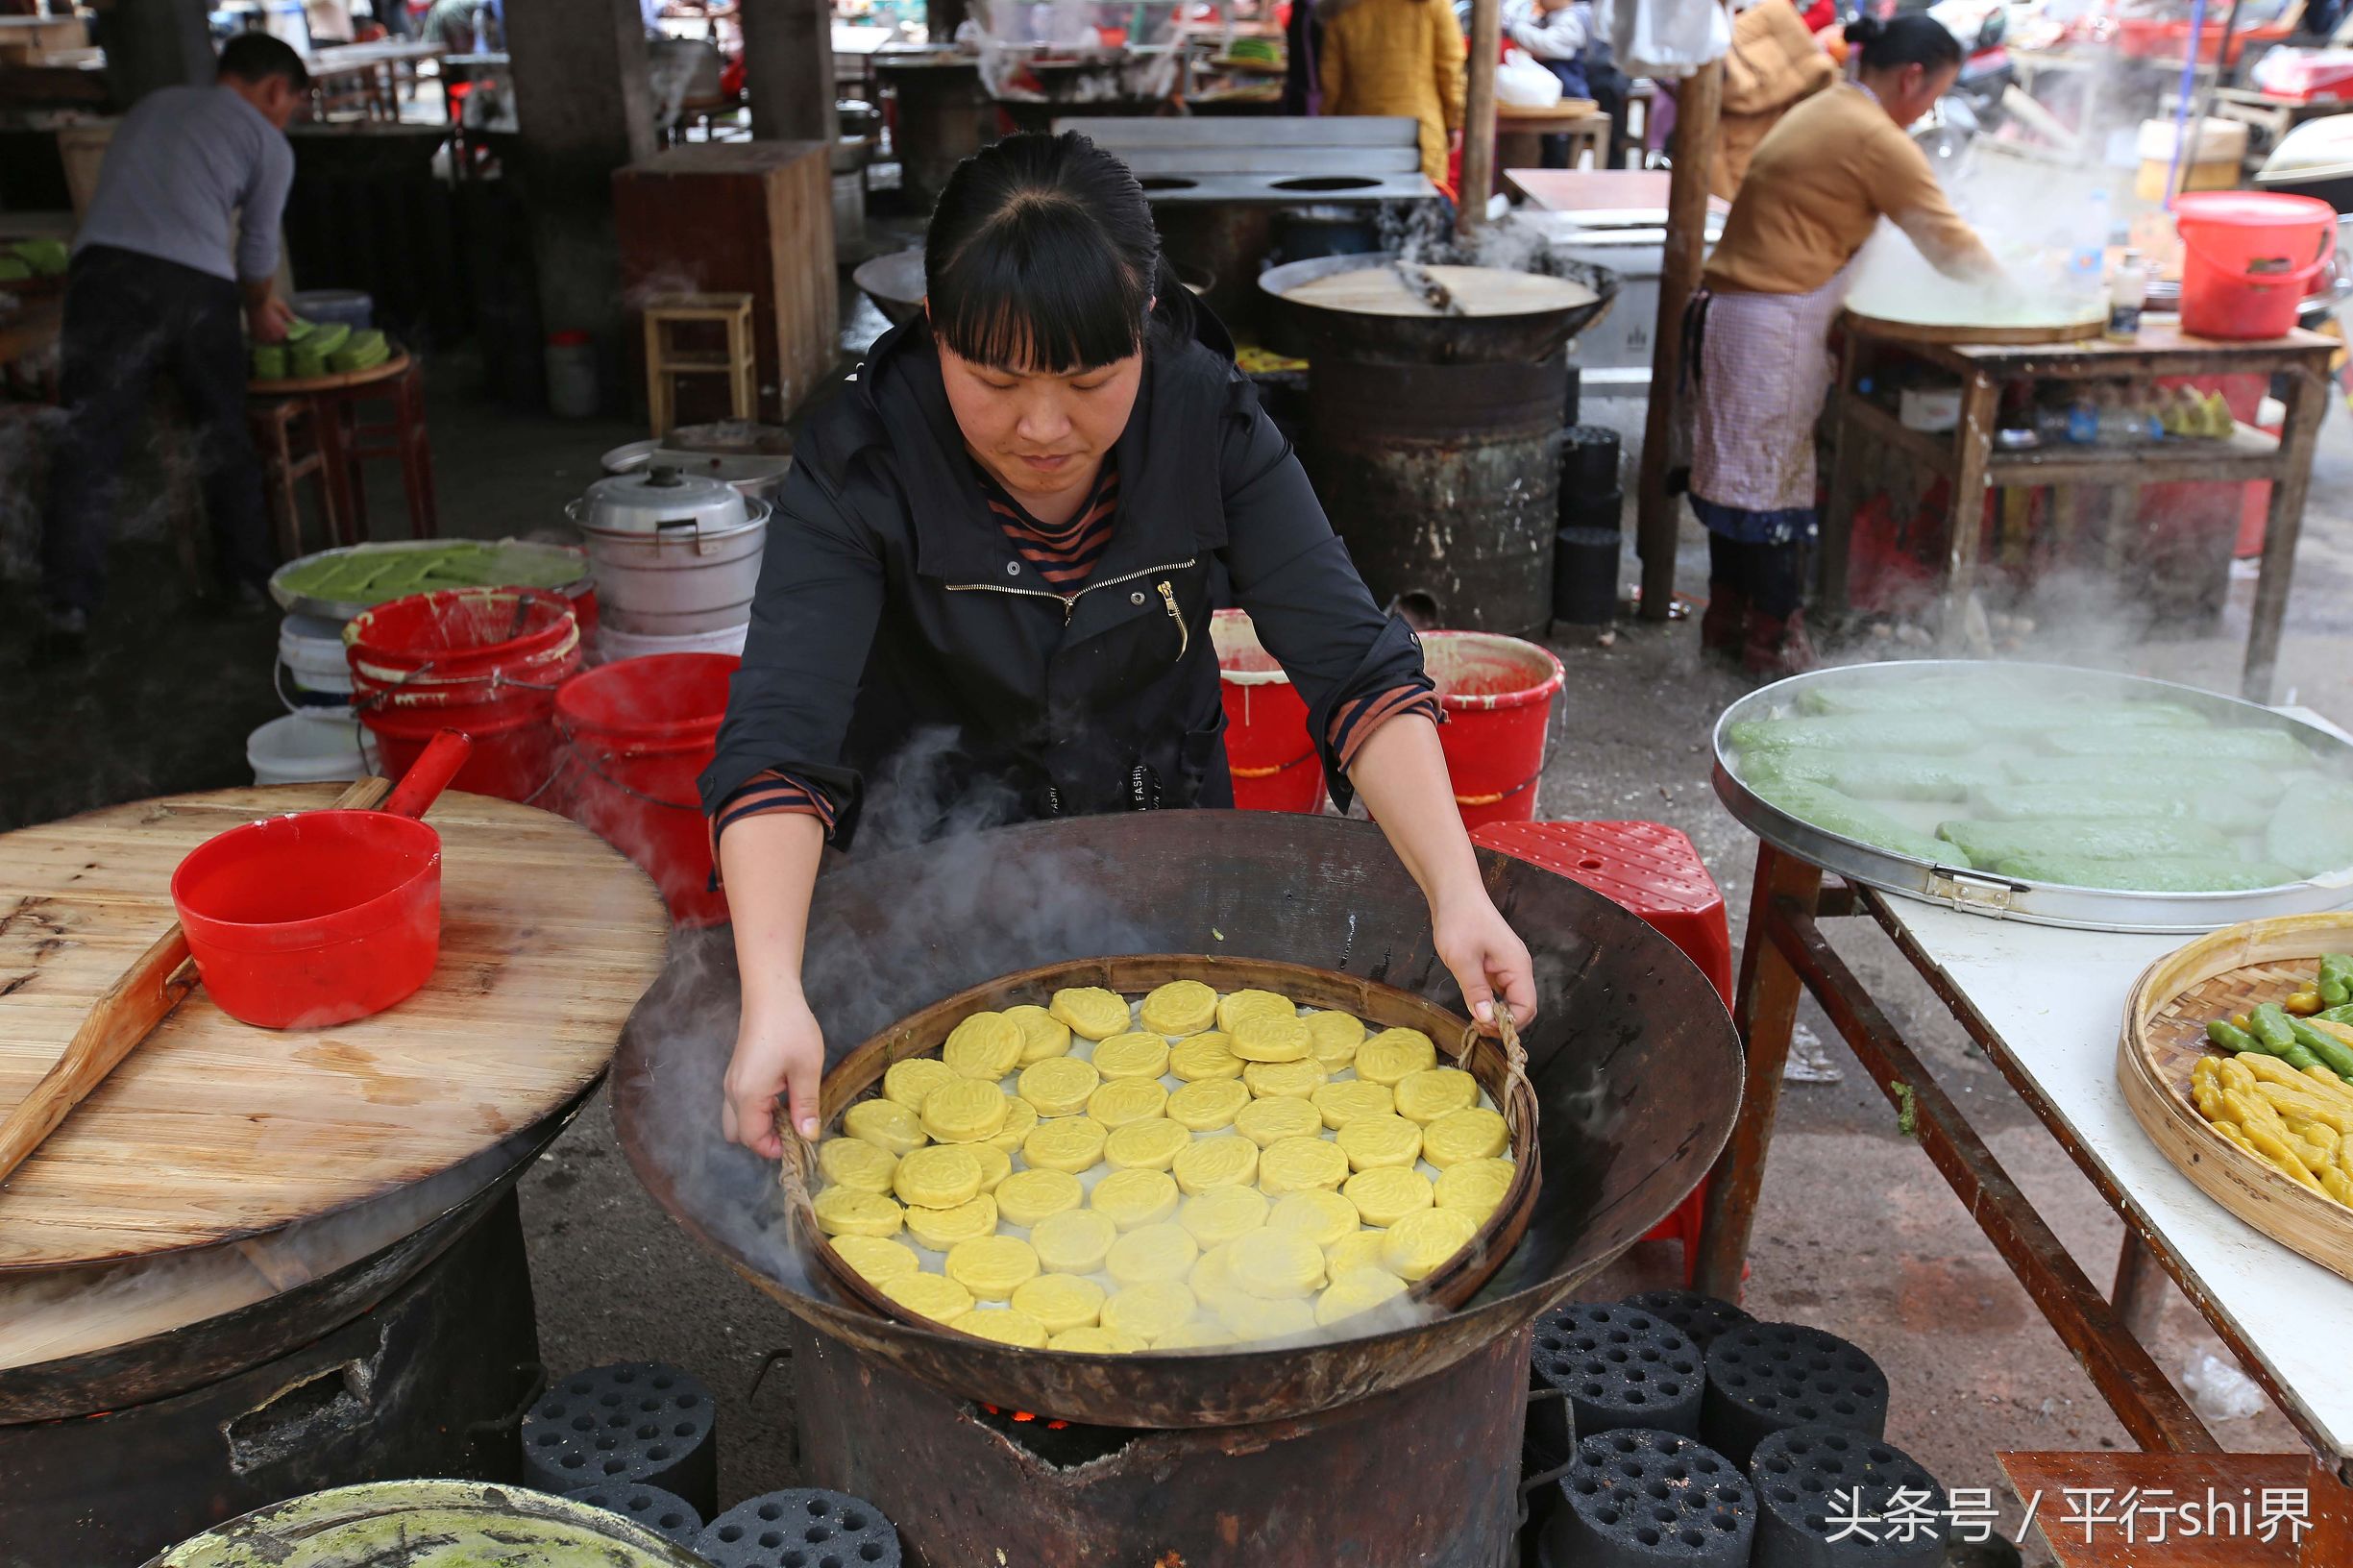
column 1983, row 892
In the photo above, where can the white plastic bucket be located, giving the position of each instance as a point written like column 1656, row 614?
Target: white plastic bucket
column 298, row 749
column 614, row 644
column 315, row 672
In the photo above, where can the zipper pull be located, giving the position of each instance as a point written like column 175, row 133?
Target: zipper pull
column 1185, row 640
column 1070, row 607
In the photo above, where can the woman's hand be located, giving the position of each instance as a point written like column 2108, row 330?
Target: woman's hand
column 1485, row 956
column 777, row 1048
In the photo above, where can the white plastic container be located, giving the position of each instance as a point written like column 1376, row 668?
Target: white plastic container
column 571, row 375
column 312, row 672
column 298, row 749
column 614, row 644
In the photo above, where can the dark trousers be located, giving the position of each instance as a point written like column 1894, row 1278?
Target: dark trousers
column 1772, row 577
column 128, row 317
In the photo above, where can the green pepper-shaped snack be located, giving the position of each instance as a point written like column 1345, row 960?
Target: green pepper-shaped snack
column 2334, row 1054
column 2231, row 1038
column 2299, row 1058
column 2272, row 1028
column 2335, row 979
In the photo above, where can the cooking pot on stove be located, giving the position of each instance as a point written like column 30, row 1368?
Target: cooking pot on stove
column 752, row 458
column 673, row 553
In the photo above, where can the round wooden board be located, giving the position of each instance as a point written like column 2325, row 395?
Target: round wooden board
column 213, row 1129
column 2165, row 1034
column 1917, row 331
column 291, row 386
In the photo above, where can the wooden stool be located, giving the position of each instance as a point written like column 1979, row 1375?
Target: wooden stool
column 664, row 360
column 347, row 440
column 285, row 432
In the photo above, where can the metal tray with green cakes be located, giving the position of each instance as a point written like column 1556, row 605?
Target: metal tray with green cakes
column 338, row 584
column 1874, row 770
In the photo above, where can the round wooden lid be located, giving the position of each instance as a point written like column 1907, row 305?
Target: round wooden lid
column 213, row 1129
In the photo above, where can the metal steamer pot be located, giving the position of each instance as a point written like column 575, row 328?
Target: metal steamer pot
column 674, row 554
column 750, row 457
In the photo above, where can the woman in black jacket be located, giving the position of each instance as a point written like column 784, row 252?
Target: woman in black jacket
column 988, row 589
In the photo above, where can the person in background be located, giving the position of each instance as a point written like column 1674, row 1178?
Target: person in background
column 1562, row 36
column 159, row 284
column 1396, row 57
column 1775, row 63
column 1756, row 333
column 453, row 24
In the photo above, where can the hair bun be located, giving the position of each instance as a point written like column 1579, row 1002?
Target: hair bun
column 1865, row 28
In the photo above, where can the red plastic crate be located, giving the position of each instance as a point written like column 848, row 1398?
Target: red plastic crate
column 1654, row 871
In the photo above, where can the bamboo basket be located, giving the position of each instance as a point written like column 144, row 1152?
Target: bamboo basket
column 1499, row 1066
column 2165, row 1023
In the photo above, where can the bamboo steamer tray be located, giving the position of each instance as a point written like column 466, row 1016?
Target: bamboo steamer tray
column 2165, row 1023
column 1499, row 1067
column 2079, row 330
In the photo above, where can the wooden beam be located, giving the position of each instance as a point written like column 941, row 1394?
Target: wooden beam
column 787, row 69
column 1479, row 115
column 1699, row 101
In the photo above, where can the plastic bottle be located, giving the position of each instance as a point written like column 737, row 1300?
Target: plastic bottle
column 2127, row 292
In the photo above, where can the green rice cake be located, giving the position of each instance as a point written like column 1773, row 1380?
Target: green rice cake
column 1990, row 843
column 2225, row 810
column 2032, row 716
column 2185, row 772
column 1828, row 809
column 2313, row 829
column 2265, row 747
column 1926, row 734
column 2150, row 873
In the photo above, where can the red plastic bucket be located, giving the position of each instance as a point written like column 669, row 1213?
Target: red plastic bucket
column 1498, row 695
column 2249, row 259
column 1274, row 765
column 483, row 661
column 637, row 734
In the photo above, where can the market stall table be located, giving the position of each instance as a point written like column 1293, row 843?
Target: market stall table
column 1597, row 190
column 371, row 78
column 1520, row 132
column 1967, row 458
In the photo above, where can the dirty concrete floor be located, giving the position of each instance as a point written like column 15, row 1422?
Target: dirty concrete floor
column 1857, row 1234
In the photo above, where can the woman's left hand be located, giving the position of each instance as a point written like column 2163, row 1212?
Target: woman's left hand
column 1485, row 957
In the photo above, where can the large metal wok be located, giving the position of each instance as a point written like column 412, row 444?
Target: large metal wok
column 1635, row 1067
column 1436, row 339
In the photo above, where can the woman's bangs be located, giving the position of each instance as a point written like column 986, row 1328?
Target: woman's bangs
column 1055, row 304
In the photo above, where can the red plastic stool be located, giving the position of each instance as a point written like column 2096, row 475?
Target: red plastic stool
column 1657, row 874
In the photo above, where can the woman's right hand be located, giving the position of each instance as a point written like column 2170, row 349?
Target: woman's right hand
column 779, row 1049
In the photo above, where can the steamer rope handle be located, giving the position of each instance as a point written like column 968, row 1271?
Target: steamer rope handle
column 1519, row 1094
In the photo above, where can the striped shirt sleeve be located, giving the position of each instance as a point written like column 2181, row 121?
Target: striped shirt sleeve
column 1352, row 723
column 769, row 794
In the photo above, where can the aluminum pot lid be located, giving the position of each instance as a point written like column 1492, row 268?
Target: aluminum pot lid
column 660, row 499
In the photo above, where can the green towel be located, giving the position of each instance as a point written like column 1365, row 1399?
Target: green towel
column 1835, row 812
column 2150, row 873
column 2313, row 829
column 1990, row 843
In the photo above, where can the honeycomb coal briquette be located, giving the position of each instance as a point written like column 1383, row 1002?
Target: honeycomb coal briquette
column 1817, row 1483
column 1697, row 1318
column 636, row 1421
column 803, row 1527
column 1636, row 1499
column 666, row 1513
column 1765, row 1377
column 1617, row 1366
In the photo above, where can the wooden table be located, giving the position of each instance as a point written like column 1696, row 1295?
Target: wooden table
column 1520, row 132
column 346, row 440
column 368, row 77
column 1597, row 190
column 1965, row 457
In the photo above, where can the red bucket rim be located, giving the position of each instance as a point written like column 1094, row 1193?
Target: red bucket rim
column 2251, row 208
column 1234, row 637
column 585, row 705
column 412, row 633
column 1536, row 657
column 350, row 922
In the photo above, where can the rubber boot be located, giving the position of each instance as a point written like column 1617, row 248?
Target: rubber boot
column 1777, row 647
column 1721, row 628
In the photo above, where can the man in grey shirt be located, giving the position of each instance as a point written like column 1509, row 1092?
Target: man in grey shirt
column 159, row 284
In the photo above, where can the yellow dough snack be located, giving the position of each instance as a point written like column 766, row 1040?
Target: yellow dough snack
column 1132, row 1055
column 1298, row 1165
column 1275, row 1266
column 995, row 1164
column 853, row 1162
column 1268, row 1036
column 876, row 1261
column 1019, row 1118
column 1204, row 1057
column 938, row 1177
column 941, row 1228
column 845, row 1211
column 1333, row 1038
column 1284, row 1080
column 1090, row 1011
column 1127, row 1099
column 1076, row 1242
column 1424, row 1239
column 1235, row 1006
column 1476, row 1186
column 1350, row 1100
column 1150, row 1145
column 1270, row 1122
column 1130, row 1198
column 992, row 1267
column 1060, row 1301
column 1058, row 1085
column 1028, row 1196
column 1385, row 1194
column 1464, row 1135
column 1005, row 1326
column 1251, row 1318
column 1391, row 1054
column 1209, row 1164
column 987, row 1046
column 1087, row 1339
column 1195, row 1336
column 1372, row 1142
column 934, row 1296
column 1208, row 1105
column 1150, row 1253
column 1209, row 1281
column 907, row 1082
column 964, row 1111
column 1425, row 1095
column 1042, row 1035
column 886, row 1124
column 1150, row 1311
column 1071, row 1143
column 1222, row 1214
column 1322, row 1217
column 1359, row 1290
column 1181, row 1007
column 1362, row 1250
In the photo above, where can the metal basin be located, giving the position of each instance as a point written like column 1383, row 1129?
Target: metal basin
column 1635, row 1065
column 1435, row 340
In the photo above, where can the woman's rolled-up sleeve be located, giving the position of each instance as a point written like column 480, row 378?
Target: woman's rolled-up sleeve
column 1355, row 667
column 813, row 622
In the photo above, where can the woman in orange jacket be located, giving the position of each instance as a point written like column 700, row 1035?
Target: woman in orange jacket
column 1396, row 57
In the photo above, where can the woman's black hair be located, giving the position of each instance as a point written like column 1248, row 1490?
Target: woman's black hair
column 1915, row 39
column 1042, row 255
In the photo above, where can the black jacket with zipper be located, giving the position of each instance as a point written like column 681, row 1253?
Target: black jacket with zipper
column 901, row 648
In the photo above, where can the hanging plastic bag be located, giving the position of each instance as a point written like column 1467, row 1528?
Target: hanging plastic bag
column 1669, row 39
column 1523, row 83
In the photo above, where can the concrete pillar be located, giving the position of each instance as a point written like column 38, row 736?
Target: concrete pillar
column 584, row 102
column 787, row 69
column 153, row 43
